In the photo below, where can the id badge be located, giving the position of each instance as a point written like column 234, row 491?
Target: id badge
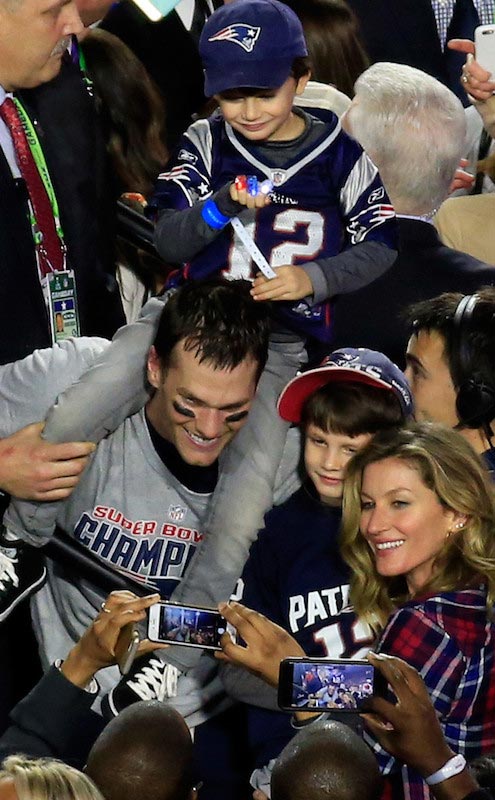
column 62, row 305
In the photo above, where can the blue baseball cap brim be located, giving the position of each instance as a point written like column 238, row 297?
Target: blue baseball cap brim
column 247, row 76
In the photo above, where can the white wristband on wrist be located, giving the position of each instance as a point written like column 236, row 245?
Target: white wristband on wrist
column 453, row 766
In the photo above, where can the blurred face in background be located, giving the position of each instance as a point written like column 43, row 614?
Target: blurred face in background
column 34, row 35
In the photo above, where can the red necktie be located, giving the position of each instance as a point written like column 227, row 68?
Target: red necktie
column 50, row 251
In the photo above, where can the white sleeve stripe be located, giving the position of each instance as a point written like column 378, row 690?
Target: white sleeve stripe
column 200, row 136
column 360, row 177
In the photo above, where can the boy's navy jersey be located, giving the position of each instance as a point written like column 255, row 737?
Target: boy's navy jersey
column 327, row 196
column 296, row 577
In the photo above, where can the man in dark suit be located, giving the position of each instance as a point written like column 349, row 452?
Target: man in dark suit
column 33, row 40
column 413, row 128
column 34, row 35
column 415, row 32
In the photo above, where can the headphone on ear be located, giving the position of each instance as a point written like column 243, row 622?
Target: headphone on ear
column 475, row 402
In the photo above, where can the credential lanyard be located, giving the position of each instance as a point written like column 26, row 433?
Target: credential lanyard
column 39, row 160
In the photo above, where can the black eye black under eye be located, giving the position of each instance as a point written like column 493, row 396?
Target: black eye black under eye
column 186, row 412
column 236, row 417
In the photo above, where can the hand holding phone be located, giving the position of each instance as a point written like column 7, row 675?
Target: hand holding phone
column 323, row 684
column 266, row 643
column 474, row 77
column 408, row 729
column 484, row 42
column 110, row 638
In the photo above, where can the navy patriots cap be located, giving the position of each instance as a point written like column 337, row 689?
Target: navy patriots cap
column 250, row 43
column 348, row 365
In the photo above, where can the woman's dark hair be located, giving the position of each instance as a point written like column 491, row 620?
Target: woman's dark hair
column 131, row 110
column 352, row 409
column 331, row 29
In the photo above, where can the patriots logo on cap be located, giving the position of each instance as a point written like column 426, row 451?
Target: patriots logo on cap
column 245, row 36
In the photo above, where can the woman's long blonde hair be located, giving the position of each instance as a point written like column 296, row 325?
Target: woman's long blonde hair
column 449, row 467
column 48, row 779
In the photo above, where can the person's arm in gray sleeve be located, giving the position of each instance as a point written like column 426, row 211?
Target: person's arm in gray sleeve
column 180, row 235
column 29, row 387
column 110, row 391
column 350, row 270
column 30, row 467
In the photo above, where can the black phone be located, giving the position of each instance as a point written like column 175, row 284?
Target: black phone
column 191, row 626
column 338, row 684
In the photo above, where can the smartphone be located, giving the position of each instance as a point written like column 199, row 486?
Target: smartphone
column 484, row 41
column 191, row 626
column 339, row 684
column 155, row 10
column 126, row 649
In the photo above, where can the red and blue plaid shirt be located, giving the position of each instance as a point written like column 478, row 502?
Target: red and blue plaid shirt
column 451, row 642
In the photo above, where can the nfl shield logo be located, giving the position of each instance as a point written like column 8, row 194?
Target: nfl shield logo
column 176, row 513
column 278, row 177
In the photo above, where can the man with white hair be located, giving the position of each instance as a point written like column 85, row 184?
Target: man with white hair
column 413, row 128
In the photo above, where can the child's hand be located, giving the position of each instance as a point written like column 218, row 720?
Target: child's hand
column 247, row 191
column 291, row 283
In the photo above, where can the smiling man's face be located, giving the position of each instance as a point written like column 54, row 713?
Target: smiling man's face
column 196, row 407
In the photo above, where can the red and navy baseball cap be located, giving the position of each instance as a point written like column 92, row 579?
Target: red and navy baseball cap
column 348, row 365
column 250, row 43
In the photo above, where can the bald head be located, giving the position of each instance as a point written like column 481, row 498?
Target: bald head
column 326, row 761
column 143, row 754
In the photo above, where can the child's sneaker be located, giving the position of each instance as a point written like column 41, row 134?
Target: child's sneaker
column 149, row 679
column 22, row 572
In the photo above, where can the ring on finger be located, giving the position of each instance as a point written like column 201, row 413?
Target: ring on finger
column 105, row 609
column 464, row 78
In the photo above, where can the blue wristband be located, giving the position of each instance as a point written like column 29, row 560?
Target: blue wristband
column 213, row 216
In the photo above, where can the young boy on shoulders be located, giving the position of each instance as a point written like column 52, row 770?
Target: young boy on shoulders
column 304, row 191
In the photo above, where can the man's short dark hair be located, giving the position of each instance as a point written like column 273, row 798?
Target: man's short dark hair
column 218, row 320
column 478, row 334
column 352, row 409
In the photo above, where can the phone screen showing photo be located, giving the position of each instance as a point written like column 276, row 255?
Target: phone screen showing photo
column 336, row 686
column 191, row 626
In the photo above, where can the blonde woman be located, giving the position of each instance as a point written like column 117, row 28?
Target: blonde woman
column 44, row 779
column 419, row 536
